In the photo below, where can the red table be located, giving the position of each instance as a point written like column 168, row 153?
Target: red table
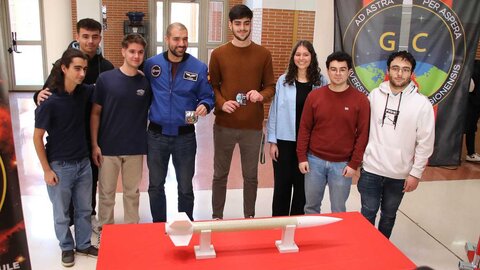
column 352, row 243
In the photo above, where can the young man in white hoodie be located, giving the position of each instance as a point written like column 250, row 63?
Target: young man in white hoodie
column 402, row 132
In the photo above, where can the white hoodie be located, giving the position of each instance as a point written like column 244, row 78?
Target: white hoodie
column 402, row 132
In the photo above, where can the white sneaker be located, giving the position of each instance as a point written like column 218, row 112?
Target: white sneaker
column 95, row 225
column 99, row 236
column 473, row 157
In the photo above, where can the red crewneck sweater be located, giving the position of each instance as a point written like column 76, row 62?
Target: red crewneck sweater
column 334, row 126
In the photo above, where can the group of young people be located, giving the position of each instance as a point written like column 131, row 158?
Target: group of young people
column 319, row 132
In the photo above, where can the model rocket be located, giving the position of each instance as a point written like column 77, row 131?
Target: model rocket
column 473, row 256
column 181, row 230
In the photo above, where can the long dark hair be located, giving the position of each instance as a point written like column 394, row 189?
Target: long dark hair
column 58, row 82
column 313, row 70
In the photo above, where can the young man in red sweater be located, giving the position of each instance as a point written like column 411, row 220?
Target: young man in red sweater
column 332, row 137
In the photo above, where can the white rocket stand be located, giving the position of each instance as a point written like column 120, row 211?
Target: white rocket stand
column 287, row 244
column 205, row 249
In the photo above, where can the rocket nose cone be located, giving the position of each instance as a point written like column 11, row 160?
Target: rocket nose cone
column 311, row 221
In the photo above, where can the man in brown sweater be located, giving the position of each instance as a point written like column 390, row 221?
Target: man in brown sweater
column 241, row 74
column 332, row 137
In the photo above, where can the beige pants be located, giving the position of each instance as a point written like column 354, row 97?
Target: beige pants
column 131, row 168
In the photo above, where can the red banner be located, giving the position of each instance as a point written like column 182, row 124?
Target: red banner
column 13, row 239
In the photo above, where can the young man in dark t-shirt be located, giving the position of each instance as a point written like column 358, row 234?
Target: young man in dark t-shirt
column 118, row 131
column 64, row 158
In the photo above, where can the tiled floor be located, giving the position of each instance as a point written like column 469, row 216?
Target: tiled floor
column 432, row 226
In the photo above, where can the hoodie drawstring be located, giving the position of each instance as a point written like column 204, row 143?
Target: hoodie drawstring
column 395, row 117
column 385, row 110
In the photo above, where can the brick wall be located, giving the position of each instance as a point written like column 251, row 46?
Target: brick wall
column 478, row 51
column 74, row 18
column 306, row 25
column 112, row 37
column 215, row 22
column 278, row 29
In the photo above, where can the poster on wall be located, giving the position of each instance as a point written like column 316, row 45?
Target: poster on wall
column 441, row 35
column 13, row 239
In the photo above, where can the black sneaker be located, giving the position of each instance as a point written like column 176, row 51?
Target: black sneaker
column 68, row 258
column 91, row 251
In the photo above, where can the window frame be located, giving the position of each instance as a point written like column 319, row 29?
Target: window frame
column 6, row 32
column 203, row 44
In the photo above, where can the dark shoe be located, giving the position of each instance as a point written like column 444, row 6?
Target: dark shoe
column 91, row 251
column 68, row 258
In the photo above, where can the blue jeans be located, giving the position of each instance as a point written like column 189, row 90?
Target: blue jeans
column 74, row 184
column 183, row 149
column 321, row 173
column 375, row 191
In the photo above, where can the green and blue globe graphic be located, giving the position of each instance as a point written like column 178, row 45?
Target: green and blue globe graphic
column 437, row 44
column 428, row 77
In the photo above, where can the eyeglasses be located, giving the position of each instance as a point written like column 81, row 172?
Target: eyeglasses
column 339, row 70
column 397, row 69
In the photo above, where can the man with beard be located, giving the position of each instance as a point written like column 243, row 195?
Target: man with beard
column 181, row 93
column 402, row 132
column 241, row 74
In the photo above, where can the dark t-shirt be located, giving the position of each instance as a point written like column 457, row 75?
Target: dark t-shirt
column 96, row 65
column 63, row 117
column 303, row 89
column 125, row 101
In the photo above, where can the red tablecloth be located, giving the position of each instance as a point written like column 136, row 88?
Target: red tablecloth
column 352, row 243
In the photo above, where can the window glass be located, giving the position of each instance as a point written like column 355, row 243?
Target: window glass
column 159, row 49
column 25, row 19
column 187, row 13
column 28, row 65
column 159, row 21
column 215, row 21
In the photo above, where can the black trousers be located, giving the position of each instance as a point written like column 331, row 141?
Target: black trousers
column 473, row 114
column 287, row 176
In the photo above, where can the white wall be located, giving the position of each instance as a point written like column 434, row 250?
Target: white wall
column 282, row 4
column 324, row 30
column 58, row 29
column 90, row 9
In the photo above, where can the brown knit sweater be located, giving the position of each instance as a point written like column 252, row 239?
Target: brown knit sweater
column 236, row 70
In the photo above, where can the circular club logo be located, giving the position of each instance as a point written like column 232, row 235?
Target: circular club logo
column 430, row 30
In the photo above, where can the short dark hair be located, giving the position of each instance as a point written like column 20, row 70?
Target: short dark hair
column 404, row 55
column 181, row 26
column 239, row 12
column 133, row 38
column 340, row 57
column 58, row 81
column 89, row 24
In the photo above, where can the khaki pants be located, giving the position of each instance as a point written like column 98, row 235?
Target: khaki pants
column 131, row 168
column 224, row 140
